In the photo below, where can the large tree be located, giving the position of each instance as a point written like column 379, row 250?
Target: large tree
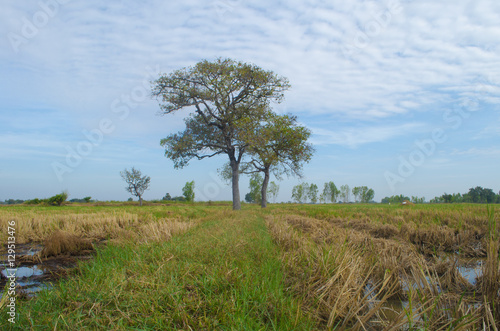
column 223, row 97
column 278, row 145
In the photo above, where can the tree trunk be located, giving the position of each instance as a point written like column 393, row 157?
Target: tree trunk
column 140, row 201
column 263, row 191
column 235, row 166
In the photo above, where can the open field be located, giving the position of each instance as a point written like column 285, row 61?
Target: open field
column 288, row 267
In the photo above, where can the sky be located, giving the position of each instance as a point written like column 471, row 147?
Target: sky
column 400, row 96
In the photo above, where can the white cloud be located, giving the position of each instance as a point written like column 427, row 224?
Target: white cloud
column 353, row 137
column 476, row 151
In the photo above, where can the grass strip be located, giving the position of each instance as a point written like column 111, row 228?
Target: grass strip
column 223, row 274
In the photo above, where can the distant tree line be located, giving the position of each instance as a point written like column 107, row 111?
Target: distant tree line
column 84, row 200
column 401, row 198
column 305, row 192
column 12, row 202
column 56, row 200
column 475, row 195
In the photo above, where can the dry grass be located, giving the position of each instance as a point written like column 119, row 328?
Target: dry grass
column 489, row 282
column 348, row 273
column 335, row 284
column 61, row 242
column 72, row 230
column 35, row 226
column 32, row 226
column 162, row 230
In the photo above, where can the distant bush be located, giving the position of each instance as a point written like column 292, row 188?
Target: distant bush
column 84, row 200
column 12, row 202
column 35, row 201
column 57, row 200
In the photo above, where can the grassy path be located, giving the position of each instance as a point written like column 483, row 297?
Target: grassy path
column 223, row 274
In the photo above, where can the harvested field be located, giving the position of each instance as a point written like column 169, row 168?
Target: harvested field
column 304, row 267
column 358, row 263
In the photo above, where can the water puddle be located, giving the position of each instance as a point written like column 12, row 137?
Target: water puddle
column 408, row 314
column 33, row 274
column 471, row 270
column 23, row 272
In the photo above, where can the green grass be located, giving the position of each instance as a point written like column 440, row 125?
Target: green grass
column 223, row 274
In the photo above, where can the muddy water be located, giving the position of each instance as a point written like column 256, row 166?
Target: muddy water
column 393, row 310
column 471, row 270
column 32, row 273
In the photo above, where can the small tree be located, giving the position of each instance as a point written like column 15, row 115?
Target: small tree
column 254, row 186
column 313, row 193
column 367, row 194
column 167, row 197
column 297, row 193
column 356, row 191
column 300, row 192
column 249, row 198
column 273, row 190
column 322, row 198
column 330, row 192
column 345, row 193
column 137, row 183
column 188, row 191
column 58, row 199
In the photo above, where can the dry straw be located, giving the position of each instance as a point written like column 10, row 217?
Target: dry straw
column 350, row 273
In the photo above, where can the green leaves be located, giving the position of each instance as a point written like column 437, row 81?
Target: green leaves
column 278, row 143
column 219, row 88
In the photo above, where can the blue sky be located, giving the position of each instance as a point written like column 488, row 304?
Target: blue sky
column 401, row 96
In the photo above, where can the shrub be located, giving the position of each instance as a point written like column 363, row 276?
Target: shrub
column 57, row 200
column 35, row 201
